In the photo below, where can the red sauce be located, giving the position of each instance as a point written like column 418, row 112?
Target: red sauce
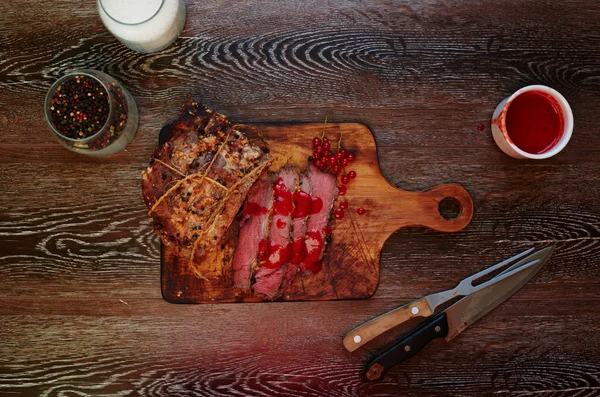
column 283, row 203
column 534, row 122
column 305, row 204
column 298, row 251
column 314, row 267
column 263, row 249
column 281, row 223
column 254, row 209
column 278, row 256
column 314, row 247
column 317, row 205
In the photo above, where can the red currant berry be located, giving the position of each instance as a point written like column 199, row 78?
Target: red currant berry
column 316, row 155
column 352, row 174
column 343, row 204
column 316, row 142
column 326, row 146
column 350, row 157
column 332, row 160
column 325, row 140
column 345, row 179
column 336, row 169
column 342, row 151
column 360, row 211
column 339, row 155
column 344, row 162
column 338, row 214
column 317, row 163
column 342, row 190
column 319, row 149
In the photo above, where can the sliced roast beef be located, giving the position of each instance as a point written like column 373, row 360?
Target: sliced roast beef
column 254, row 230
column 303, row 207
column 270, row 277
column 323, row 187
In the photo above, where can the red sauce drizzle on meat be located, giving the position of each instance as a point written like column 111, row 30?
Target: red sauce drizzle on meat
column 314, row 247
column 298, row 251
column 314, row 268
column 283, row 203
column 303, row 204
column 281, row 223
column 306, row 205
column 254, row 209
column 317, row 205
column 278, row 256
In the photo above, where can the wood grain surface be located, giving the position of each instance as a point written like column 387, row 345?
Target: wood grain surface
column 351, row 261
column 81, row 311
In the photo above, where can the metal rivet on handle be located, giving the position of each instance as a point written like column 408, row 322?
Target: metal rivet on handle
column 438, row 329
column 407, row 348
column 357, row 338
column 414, row 310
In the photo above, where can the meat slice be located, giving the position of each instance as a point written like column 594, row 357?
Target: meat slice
column 303, row 207
column 324, row 187
column 254, row 230
column 198, row 180
column 269, row 277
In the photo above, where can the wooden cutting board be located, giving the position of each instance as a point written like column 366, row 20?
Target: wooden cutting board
column 351, row 265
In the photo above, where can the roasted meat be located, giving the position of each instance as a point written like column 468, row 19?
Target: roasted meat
column 270, row 276
column 198, row 180
column 254, row 231
column 324, row 187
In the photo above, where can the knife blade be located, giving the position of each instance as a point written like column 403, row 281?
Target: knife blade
column 427, row 305
column 456, row 318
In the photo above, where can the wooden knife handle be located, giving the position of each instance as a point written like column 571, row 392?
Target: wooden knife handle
column 407, row 347
column 377, row 326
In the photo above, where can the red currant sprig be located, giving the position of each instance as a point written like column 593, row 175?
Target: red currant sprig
column 325, row 160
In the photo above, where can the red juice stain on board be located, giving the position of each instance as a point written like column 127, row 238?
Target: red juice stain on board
column 283, row 203
column 534, row 122
column 254, row 209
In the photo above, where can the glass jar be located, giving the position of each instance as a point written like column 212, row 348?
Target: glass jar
column 82, row 97
column 143, row 25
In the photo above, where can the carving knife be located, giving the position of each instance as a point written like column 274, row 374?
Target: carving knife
column 456, row 318
column 427, row 305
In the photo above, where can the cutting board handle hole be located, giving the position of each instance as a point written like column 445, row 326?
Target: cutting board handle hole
column 449, row 208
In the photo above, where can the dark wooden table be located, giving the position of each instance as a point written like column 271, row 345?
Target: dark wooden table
column 81, row 310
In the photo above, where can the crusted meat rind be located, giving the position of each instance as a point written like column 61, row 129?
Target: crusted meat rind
column 197, row 181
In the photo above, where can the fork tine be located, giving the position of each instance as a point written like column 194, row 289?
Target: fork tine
column 499, row 265
column 526, row 264
column 539, row 254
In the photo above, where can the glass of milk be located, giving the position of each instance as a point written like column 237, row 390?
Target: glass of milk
column 143, row 25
